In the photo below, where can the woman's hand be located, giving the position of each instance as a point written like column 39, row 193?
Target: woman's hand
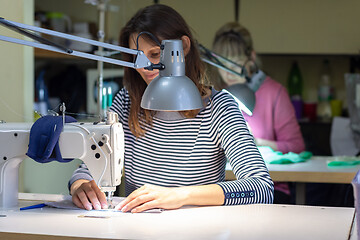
column 150, row 196
column 86, row 194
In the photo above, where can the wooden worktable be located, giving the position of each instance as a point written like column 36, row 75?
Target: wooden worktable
column 314, row 170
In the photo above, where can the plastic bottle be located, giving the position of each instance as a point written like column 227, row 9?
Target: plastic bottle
column 325, row 92
column 295, row 88
column 295, row 82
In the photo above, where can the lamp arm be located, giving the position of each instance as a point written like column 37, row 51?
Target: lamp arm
column 141, row 60
column 241, row 92
column 221, row 67
column 213, row 59
column 211, row 56
column 32, row 35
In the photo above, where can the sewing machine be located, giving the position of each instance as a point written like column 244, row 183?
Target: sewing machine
column 99, row 145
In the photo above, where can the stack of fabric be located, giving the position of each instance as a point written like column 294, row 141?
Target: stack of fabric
column 274, row 157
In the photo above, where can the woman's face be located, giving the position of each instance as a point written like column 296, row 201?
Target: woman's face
column 151, row 51
column 229, row 78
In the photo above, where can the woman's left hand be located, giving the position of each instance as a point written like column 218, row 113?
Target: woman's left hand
column 150, row 196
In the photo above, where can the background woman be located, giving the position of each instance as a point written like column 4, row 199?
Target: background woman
column 273, row 122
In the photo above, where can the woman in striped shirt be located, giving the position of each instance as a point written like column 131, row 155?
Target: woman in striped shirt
column 174, row 159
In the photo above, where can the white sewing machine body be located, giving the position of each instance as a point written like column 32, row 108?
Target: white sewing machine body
column 100, row 146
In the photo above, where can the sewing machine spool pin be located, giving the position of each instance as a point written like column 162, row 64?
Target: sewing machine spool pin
column 63, row 109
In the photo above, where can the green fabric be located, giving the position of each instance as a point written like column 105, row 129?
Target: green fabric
column 274, row 157
column 344, row 161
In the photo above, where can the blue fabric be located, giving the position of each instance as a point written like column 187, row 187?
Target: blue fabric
column 44, row 139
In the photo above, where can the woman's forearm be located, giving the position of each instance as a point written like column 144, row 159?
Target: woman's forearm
column 203, row 195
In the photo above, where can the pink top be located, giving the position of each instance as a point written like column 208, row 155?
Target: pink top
column 274, row 118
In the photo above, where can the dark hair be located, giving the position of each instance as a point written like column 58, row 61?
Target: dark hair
column 164, row 23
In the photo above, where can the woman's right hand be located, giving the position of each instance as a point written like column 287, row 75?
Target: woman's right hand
column 87, row 195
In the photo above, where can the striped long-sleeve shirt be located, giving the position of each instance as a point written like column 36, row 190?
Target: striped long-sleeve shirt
column 194, row 151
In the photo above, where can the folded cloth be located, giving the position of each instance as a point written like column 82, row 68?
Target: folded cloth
column 276, row 157
column 44, row 139
column 343, row 161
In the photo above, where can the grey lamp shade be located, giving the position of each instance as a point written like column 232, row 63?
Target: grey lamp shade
column 177, row 93
column 244, row 96
column 172, row 90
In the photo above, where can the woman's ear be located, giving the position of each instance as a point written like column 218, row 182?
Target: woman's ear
column 253, row 55
column 186, row 44
column 253, row 67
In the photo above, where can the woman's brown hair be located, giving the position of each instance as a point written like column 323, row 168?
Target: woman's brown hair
column 164, row 23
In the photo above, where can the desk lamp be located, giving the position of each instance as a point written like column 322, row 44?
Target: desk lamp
column 170, row 91
column 241, row 92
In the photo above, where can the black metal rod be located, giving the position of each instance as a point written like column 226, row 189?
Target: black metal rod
column 237, row 10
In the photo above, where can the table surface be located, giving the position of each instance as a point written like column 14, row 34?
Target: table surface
column 314, row 170
column 257, row 221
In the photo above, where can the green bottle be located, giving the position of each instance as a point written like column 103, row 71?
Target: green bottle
column 295, row 82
